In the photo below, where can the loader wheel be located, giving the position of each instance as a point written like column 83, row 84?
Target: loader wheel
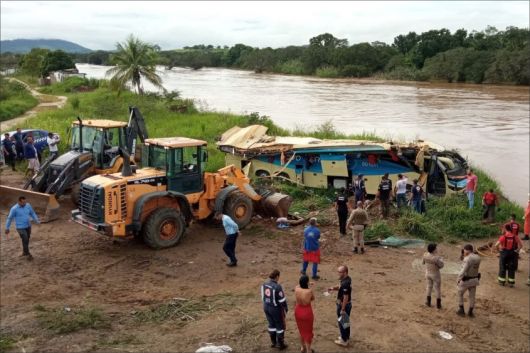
column 164, row 228
column 239, row 207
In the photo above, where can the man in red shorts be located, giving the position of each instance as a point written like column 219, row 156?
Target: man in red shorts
column 311, row 247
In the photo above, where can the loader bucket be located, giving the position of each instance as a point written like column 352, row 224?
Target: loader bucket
column 45, row 205
column 275, row 205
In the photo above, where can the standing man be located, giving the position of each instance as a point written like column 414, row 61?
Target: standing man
column 275, row 308
column 384, row 194
column 311, row 248
column 489, row 202
column 359, row 189
column 232, row 231
column 9, row 150
column 515, row 228
column 358, row 221
column 341, row 206
column 53, row 141
column 22, row 212
column 509, row 244
column 343, row 304
column 527, row 220
column 433, row 263
column 471, row 187
column 417, row 194
column 19, row 143
column 468, row 279
column 401, row 190
column 30, row 153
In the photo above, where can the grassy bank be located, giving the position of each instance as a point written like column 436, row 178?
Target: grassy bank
column 446, row 219
column 14, row 99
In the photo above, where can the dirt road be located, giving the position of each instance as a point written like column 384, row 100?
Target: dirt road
column 45, row 102
column 75, row 269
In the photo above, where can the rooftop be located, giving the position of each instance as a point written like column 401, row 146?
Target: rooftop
column 173, row 142
column 102, row 123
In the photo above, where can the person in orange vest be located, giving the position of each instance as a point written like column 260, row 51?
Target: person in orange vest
column 515, row 228
column 509, row 244
column 489, row 202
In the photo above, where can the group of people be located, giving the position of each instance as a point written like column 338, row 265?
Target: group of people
column 276, row 308
column 15, row 149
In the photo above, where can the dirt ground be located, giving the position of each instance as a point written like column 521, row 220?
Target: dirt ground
column 74, row 269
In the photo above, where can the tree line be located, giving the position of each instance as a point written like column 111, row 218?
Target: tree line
column 488, row 56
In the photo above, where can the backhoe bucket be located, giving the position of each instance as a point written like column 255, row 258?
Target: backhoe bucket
column 275, row 205
column 45, row 205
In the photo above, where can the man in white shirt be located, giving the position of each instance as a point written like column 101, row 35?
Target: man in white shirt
column 401, row 190
column 53, row 141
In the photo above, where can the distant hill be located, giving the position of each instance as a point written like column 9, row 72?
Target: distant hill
column 25, row 45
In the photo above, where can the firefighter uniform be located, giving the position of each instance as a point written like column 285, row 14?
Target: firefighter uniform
column 275, row 308
column 342, row 212
column 508, row 257
column 433, row 264
column 468, row 280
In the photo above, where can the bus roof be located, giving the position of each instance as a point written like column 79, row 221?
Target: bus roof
column 102, row 123
column 175, row 142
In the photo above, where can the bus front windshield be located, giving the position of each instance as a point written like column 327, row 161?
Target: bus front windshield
column 89, row 136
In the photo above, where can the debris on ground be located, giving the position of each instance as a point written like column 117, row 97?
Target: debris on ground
column 445, row 335
column 396, row 242
column 210, row 348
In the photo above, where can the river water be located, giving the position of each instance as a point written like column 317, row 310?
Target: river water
column 489, row 125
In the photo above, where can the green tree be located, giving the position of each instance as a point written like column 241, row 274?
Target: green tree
column 133, row 60
column 56, row 60
column 31, row 63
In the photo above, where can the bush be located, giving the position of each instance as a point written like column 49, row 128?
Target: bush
column 291, row 67
column 379, row 229
column 327, row 72
column 14, row 99
column 355, row 71
column 74, row 102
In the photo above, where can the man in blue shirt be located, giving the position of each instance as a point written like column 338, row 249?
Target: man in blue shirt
column 311, row 248
column 22, row 212
column 232, row 231
column 30, row 153
column 417, row 193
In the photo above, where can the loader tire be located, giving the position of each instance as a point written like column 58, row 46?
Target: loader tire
column 164, row 228
column 239, row 207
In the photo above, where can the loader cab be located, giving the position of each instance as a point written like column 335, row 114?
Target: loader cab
column 183, row 159
column 102, row 138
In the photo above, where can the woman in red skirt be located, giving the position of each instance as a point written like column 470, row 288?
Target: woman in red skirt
column 303, row 313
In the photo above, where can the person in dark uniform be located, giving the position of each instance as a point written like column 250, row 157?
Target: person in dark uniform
column 275, row 308
column 341, row 206
column 359, row 189
column 384, row 194
column 343, row 304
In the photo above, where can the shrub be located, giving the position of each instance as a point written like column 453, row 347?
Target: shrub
column 327, row 72
column 74, row 102
column 379, row 229
column 291, row 67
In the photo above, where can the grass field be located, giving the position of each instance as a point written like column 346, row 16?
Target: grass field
column 14, row 99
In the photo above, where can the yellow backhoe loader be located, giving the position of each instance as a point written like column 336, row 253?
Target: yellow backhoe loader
column 172, row 189
column 94, row 149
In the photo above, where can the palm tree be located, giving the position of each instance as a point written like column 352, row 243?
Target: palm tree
column 133, row 61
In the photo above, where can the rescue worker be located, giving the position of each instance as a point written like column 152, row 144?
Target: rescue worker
column 433, row 263
column 359, row 189
column 526, row 229
column 275, row 308
column 509, row 245
column 358, row 221
column 489, row 202
column 468, row 279
column 515, row 228
column 341, row 206
column 384, row 194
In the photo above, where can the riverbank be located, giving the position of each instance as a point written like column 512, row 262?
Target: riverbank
column 447, row 219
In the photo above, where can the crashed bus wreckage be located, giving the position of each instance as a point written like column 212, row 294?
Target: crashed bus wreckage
column 317, row 163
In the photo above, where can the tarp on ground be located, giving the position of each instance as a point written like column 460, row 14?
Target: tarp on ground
column 396, row 242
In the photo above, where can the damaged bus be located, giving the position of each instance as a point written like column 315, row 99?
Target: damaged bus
column 320, row 163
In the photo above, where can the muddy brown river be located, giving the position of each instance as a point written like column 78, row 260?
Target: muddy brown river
column 489, row 125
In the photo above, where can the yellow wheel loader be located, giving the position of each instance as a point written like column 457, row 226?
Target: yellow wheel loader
column 172, row 189
column 94, row 149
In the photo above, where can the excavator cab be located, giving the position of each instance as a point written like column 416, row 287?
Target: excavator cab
column 103, row 139
column 183, row 159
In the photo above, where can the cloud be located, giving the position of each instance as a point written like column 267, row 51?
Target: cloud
column 99, row 25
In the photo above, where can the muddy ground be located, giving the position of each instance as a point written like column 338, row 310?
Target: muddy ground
column 75, row 270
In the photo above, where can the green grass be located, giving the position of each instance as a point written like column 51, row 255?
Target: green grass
column 6, row 343
column 60, row 321
column 14, row 99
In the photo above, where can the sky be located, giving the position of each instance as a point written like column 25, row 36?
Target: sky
column 100, row 25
